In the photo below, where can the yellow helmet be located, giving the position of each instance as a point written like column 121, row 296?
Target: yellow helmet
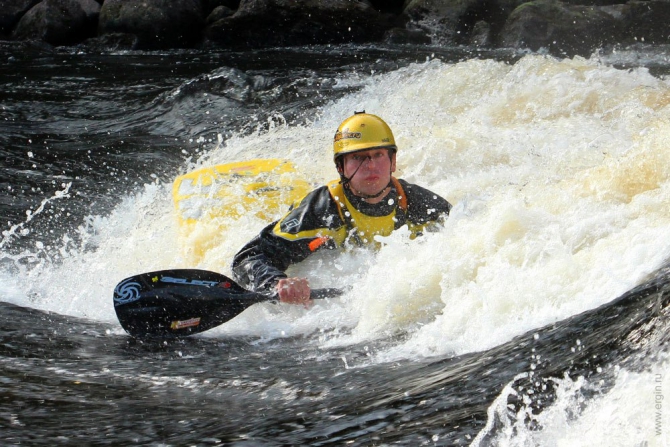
column 361, row 132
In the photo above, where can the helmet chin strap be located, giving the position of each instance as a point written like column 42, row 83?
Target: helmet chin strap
column 346, row 182
column 370, row 196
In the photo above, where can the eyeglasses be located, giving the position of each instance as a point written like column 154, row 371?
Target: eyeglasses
column 361, row 157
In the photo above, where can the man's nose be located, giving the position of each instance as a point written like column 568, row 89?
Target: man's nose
column 368, row 158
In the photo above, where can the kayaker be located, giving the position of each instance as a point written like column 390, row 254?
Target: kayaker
column 365, row 202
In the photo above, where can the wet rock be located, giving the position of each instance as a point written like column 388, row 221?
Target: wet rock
column 647, row 21
column 263, row 23
column 390, row 6
column 58, row 22
column 481, row 34
column 220, row 12
column 456, row 21
column 211, row 5
column 560, row 28
column 111, row 42
column 156, row 23
column 92, row 10
column 11, row 12
column 406, row 36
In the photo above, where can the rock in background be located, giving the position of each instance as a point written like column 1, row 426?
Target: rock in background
column 11, row 12
column 154, row 23
column 58, row 22
column 563, row 28
column 265, row 23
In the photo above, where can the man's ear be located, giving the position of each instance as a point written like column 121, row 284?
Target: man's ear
column 393, row 162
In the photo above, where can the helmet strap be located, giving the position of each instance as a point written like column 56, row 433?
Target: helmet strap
column 372, row 196
column 345, row 181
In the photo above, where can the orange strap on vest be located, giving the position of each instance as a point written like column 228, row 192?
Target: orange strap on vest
column 318, row 242
column 402, row 198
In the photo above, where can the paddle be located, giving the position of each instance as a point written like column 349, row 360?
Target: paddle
column 176, row 303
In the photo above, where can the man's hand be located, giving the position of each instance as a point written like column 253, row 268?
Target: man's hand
column 294, row 291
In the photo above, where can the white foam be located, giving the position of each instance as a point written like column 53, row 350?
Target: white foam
column 558, row 171
column 633, row 412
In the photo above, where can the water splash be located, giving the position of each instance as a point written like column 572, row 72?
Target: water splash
column 557, row 171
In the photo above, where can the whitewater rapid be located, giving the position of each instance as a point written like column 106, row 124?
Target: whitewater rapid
column 558, row 171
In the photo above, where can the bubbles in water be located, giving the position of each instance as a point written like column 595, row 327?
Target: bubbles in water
column 557, row 171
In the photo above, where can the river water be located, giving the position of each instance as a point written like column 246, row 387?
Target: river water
column 537, row 316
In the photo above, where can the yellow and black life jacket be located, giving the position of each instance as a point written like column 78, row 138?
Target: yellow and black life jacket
column 362, row 228
column 326, row 218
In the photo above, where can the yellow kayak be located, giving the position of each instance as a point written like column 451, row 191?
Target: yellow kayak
column 210, row 199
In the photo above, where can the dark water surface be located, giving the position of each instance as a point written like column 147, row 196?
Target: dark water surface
column 64, row 382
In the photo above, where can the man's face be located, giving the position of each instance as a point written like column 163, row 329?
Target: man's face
column 374, row 173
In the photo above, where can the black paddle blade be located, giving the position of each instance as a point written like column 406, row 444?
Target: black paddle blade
column 175, row 303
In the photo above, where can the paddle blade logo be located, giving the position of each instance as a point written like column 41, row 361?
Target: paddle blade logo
column 127, row 291
column 189, row 281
